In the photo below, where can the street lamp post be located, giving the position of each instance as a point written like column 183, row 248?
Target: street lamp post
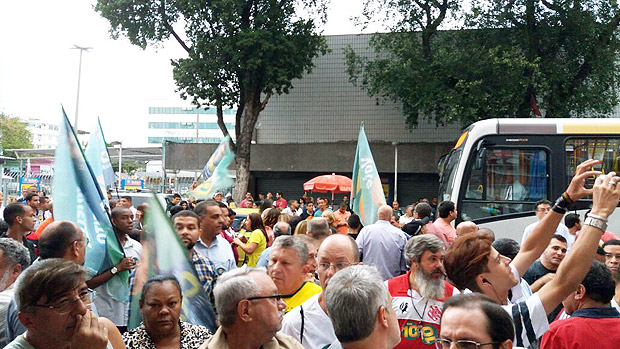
column 77, row 99
column 120, row 159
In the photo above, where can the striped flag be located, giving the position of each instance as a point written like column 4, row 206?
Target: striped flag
column 366, row 192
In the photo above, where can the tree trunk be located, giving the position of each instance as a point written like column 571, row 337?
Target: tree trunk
column 242, row 179
column 251, row 110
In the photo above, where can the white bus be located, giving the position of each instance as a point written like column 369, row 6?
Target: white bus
column 499, row 168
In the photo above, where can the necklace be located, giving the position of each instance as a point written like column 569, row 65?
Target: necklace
column 416, row 309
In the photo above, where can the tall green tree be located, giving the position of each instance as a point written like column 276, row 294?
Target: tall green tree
column 500, row 59
column 240, row 52
column 14, row 134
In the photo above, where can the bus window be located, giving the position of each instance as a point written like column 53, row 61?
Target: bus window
column 509, row 180
column 581, row 149
column 448, row 174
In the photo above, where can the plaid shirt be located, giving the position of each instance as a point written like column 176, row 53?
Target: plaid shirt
column 205, row 270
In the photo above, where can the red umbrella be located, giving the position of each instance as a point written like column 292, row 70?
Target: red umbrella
column 333, row 182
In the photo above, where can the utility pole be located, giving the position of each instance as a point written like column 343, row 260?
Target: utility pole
column 77, row 99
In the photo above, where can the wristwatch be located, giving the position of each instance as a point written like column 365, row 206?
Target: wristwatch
column 114, row 270
column 597, row 223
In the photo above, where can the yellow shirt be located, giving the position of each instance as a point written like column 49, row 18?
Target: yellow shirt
column 306, row 291
column 257, row 237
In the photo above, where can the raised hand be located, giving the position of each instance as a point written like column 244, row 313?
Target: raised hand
column 606, row 193
column 89, row 333
column 576, row 189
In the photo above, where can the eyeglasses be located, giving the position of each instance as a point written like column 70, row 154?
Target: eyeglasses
column 86, row 241
column 277, row 297
column 337, row 265
column 65, row 306
column 443, row 343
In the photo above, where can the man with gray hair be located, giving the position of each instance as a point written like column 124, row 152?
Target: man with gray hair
column 288, row 268
column 358, row 304
column 418, row 296
column 382, row 245
column 14, row 258
column 318, row 229
column 279, row 229
column 250, row 312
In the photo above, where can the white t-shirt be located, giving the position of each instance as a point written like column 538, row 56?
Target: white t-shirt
column 109, row 307
column 614, row 304
column 404, row 219
column 318, row 329
column 560, row 230
column 5, row 298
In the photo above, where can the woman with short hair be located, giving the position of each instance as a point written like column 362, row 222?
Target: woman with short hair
column 161, row 327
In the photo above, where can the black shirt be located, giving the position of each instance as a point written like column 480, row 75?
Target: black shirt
column 27, row 243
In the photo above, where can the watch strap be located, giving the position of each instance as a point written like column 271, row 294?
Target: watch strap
column 595, row 222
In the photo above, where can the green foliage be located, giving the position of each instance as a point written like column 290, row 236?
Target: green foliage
column 503, row 55
column 239, row 52
column 15, row 134
column 235, row 47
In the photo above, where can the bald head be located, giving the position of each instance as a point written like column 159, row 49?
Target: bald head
column 57, row 238
column 466, row 227
column 384, row 213
column 343, row 243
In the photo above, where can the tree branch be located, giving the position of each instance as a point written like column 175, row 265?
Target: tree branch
column 422, row 5
column 219, row 111
column 553, row 6
column 265, row 101
column 164, row 18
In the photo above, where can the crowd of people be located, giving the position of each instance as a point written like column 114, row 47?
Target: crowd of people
column 305, row 273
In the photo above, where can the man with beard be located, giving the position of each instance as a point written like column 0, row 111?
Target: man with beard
column 418, row 296
column 186, row 224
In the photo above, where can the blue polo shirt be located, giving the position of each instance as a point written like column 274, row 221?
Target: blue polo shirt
column 219, row 252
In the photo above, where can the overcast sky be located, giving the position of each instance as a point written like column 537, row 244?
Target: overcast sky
column 38, row 70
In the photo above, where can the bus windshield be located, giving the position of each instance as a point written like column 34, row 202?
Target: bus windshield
column 448, row 174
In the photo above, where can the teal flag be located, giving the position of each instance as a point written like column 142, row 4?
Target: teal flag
column 78, row 198
column 99, row 159
column 165, row 254
column 366, row 191
column 216, row 172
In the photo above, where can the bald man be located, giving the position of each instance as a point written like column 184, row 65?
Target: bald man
column 466, row 227
column 309, row 323
column 382, row 245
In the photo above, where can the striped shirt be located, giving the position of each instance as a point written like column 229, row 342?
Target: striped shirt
column 528, row 315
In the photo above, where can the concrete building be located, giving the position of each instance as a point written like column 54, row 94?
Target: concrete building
column 45, row 134
column 313, row 130
column 178, row 124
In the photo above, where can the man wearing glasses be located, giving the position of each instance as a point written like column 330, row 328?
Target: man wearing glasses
column 250, row 312
column 60, row 239
column 53, row 299
column 309, row 323
column 473, row 321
